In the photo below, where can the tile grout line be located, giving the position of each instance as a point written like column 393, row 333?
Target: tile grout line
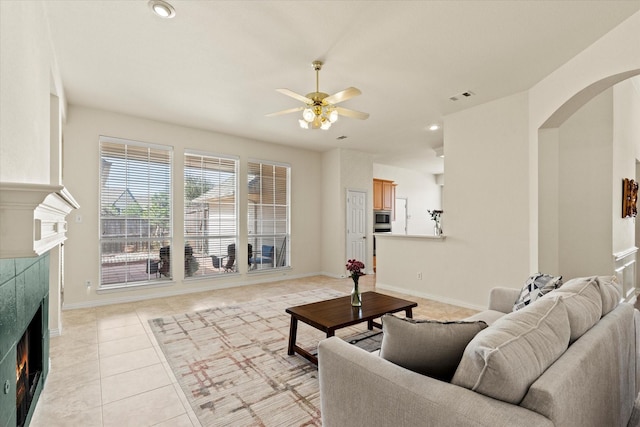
column 100, row 377
column 167, row 368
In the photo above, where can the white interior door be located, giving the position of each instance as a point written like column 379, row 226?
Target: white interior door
column 399, row 225
column 356, row 225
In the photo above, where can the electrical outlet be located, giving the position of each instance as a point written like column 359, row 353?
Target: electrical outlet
column 419, row 275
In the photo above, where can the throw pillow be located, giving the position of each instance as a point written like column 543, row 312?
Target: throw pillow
column 610, row 291
column 504, row 360
column 536, row 286
column 584, row 304
column 428, row 347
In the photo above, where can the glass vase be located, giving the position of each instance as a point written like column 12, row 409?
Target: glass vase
column 356, row 297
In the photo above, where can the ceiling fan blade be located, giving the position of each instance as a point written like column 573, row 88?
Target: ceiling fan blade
column 294, row 95
column 279, row 113
column 342, row 96
column 352, row 113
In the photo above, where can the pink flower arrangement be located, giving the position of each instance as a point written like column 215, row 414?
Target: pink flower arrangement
column 355, row 267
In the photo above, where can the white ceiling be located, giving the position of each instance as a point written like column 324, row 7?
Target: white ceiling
column 216, row 64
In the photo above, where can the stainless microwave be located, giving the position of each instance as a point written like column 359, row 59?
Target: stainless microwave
column 382, row 217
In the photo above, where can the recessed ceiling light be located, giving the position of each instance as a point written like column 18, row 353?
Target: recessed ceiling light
column 434, row 127
column 162, row 8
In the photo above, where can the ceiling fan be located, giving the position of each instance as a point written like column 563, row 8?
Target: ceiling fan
column 320, row 110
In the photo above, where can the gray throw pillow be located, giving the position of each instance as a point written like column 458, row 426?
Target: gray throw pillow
column 428, row 347
column 534, row 287
column 504, row 360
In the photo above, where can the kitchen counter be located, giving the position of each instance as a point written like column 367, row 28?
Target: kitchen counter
column 410, row 236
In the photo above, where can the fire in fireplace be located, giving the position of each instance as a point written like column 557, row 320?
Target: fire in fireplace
column 28, row 367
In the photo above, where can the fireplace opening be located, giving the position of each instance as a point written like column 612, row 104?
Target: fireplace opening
column 28, row 367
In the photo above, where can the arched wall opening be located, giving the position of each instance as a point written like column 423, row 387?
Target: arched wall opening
column 585, row 149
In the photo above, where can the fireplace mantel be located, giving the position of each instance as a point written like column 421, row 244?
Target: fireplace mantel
column 32, row 218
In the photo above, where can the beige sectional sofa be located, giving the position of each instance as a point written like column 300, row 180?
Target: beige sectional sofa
column 568, row 359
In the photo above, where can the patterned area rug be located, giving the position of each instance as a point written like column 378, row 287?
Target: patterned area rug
column 233, row 366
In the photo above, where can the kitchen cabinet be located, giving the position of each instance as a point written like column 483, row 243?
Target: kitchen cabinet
column 383, row 194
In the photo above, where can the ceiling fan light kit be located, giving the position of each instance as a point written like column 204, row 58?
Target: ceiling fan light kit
column 320, row 111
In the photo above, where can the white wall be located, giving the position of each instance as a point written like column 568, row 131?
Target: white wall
column 332, row 222
column 549, row 199
column 611, row 59
column 422, row 194
column 486, row 209
column 593, row 151
column 81, row 155
column 356, row 174
column 626, row 150
column 24, row 145
column 585, row 170
column 25, row 70
column 343, row 169
column 29, row 144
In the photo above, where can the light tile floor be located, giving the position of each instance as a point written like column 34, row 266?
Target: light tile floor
column 107, row 369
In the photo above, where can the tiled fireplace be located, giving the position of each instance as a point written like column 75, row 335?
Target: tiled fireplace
column 24, row 306
column 32, row 223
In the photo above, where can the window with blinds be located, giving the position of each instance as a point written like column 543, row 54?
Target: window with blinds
column 210, row 214
column 268, row 214
column 135, row 213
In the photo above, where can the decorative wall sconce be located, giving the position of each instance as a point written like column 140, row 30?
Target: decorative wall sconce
column 629, row 198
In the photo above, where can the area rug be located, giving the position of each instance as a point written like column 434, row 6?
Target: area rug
column 232, row 361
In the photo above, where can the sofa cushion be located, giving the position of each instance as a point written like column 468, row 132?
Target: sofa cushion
column 610, row 291
column 428, row 347
column 584, row 304
column 504, row 360
column 487, row 316
column 534, row 287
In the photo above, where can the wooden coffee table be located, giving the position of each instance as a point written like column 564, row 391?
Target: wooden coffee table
column 333, row 314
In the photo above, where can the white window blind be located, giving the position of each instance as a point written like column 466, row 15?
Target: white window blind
column 268, row 214
column 210, row 214
column 135, row 212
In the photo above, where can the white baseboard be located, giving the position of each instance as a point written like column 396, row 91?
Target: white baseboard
column 430, row 296
column 333, row 275
column 255, row 279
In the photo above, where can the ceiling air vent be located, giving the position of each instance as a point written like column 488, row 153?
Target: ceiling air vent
column 462, row 95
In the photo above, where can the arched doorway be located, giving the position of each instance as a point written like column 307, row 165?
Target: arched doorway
column 585, row 148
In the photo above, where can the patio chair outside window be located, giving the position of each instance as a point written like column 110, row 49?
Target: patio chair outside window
column 264, row 257
column 228, row 262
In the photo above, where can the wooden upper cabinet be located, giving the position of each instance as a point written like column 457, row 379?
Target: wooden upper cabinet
column 383, row 194
column 378, row 198
column 387, row 199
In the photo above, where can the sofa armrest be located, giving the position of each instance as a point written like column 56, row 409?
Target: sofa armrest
column 358, row 388
column 598, row 368
column 502, row 299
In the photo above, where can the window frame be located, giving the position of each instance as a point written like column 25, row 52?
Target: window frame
column 234, row 237
column 152, row 256
column 253, row 238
